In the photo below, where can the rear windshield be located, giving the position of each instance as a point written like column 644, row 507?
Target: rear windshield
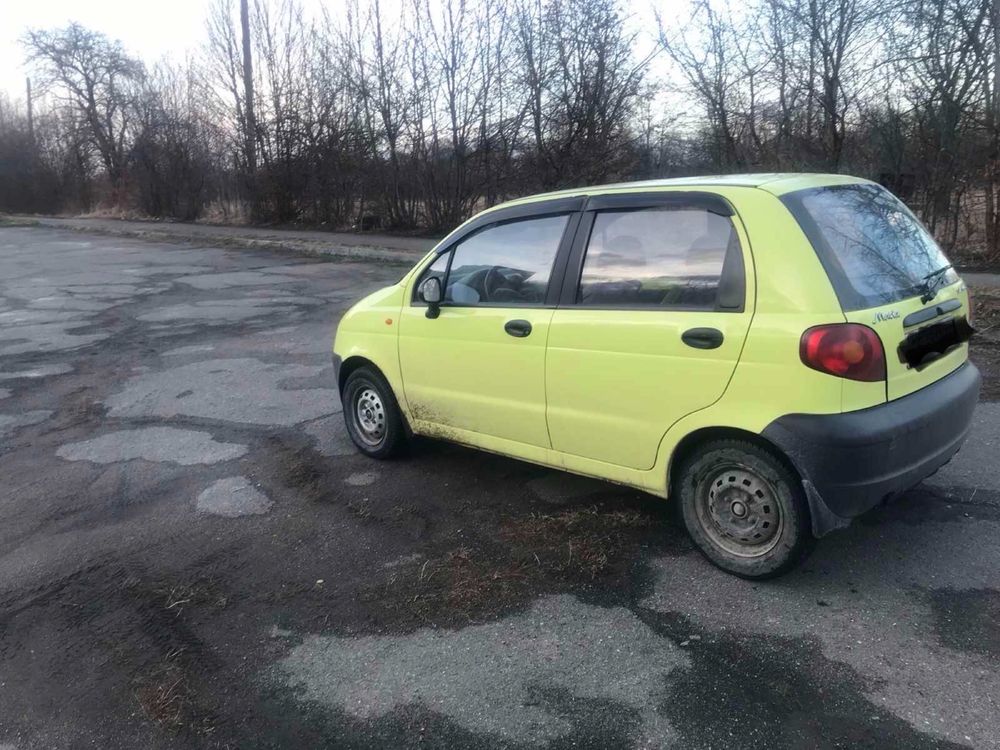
column 873, row 249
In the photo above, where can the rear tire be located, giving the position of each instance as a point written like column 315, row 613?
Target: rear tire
column 744, row 508
column 372, row 414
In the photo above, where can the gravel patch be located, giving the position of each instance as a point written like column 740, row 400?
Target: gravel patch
column 233, row 390
column 499, row 678
column 362, row 479
column 233, row 497
column 161, row 444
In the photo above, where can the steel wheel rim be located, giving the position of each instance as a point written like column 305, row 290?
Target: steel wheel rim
column 369, row 416
column 739, row 511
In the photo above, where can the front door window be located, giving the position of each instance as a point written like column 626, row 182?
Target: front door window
column 507, row 264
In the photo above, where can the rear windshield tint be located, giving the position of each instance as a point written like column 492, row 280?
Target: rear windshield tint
column 873, row 249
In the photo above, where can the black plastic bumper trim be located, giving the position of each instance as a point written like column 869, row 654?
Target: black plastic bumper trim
column 336, row 369
column 854, row 461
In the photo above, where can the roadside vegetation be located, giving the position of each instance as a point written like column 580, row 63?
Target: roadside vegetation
column 16, row 221
column 410, row 116
column 985, row 347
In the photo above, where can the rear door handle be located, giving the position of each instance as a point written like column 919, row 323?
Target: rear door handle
column 703, row 338
column 517, row 328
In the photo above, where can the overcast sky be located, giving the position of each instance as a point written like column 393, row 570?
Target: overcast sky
column 148, row 29
column 170, row 28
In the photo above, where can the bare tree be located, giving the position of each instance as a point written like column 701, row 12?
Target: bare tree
column 704, row 50
column 583, row 82
column 416, row 114
column 94, row 77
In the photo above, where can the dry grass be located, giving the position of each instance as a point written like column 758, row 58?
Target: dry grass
column 575, row 543
column 164, row 694
column 985, row 347
column 174, row 596
column 986, row 310
column 534, row 554
column 362, row 509
column 167, row 689
column 168, row 697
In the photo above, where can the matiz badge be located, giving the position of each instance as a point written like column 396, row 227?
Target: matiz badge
column 881, row 317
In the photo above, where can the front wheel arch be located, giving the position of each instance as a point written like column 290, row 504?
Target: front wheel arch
column 351, row 364
column 356, row 362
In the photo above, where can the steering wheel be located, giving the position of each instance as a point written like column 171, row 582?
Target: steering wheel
column 491, row 283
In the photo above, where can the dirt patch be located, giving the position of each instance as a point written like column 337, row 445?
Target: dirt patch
column 576, row 544
column 122, row 637
column 592, row 551
column 165, row 694
column 298, row 467
column 985, row 347
column 167, row 689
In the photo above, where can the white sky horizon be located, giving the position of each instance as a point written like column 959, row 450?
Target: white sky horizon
column 174, row 30
column 150, row 31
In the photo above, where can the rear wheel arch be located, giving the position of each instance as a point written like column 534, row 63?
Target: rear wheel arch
column 822, row 519
column 744, row 507
column 690, row 443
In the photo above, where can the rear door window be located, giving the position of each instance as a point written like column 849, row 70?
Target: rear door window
column 873, row 249
column 660, row 258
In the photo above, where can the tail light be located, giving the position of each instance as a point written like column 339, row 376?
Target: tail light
column 847, row 350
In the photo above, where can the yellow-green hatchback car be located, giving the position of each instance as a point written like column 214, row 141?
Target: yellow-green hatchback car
column 780, row 352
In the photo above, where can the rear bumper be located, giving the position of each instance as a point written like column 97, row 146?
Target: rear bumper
column 854, row 461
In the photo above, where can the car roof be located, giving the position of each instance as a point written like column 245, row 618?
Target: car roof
column 777, row 183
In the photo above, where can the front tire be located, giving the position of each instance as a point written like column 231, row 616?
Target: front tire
column 745, row 509
column 372, row 414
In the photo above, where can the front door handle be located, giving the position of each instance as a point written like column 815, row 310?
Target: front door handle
column 703, row 338
column 517, row 328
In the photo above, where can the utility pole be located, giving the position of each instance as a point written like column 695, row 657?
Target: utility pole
column 251, row 121
column 993, row 118
column 31, row 113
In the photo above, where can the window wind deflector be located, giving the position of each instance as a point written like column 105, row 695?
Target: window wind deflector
column 711, row 202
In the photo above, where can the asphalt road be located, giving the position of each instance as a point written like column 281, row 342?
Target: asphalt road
column 192, row 555
column 344, row 245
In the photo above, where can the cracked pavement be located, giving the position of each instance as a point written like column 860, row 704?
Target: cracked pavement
column 193, row 555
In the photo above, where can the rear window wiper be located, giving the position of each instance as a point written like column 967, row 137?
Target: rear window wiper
column 930, row 283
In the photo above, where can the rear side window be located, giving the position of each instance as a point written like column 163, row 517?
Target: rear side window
column 504, row 264
column 667, row 258
column 873, row 249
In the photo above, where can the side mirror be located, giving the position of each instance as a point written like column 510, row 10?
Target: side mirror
column 430, row 292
